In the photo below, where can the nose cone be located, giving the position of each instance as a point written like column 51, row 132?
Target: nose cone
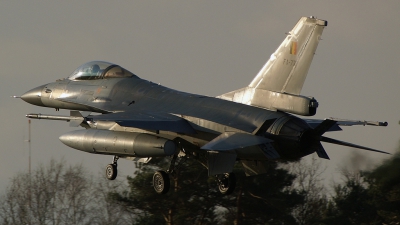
column 34, row 96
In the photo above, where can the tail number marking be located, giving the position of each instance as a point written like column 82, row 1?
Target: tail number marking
column 289, row 62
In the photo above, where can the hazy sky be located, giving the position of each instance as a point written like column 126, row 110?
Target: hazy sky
column 204, row 47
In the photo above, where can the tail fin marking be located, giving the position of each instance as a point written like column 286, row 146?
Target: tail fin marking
column 278, row 84
column 288, row 66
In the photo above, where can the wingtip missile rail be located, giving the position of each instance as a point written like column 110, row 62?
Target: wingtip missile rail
column 49, row 117
column 74, row 119
column 344, row 122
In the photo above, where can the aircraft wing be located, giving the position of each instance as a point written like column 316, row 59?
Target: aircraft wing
column 148, row 121
column 232, row 140
column 343, row 122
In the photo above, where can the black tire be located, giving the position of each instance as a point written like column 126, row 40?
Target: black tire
column 161, row 182
column 111, row 171
column 227, row 183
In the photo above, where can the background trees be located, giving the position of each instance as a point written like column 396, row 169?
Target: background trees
column 290, row 193
column 59, row 194
column 369, row 197
column 194, row 198
column 310, row 183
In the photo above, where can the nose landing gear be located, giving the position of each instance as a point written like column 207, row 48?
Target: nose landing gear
column 111, row 169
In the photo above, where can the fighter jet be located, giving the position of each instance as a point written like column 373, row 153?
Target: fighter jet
column 129, row 117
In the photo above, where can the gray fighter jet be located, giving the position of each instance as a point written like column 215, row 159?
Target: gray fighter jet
column 136, row 119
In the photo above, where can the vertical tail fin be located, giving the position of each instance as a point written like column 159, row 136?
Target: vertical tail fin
column 278, row 84
column 286, row 70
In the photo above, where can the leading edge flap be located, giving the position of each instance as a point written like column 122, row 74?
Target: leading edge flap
column 148, row 121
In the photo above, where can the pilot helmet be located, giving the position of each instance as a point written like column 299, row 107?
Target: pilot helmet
column 95, row 69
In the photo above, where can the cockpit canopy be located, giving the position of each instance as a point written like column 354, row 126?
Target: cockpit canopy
column 99, row 70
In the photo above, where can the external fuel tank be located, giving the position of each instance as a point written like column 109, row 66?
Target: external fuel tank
column 119, row 143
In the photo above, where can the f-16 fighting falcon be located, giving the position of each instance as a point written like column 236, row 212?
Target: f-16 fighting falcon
column 136, row 119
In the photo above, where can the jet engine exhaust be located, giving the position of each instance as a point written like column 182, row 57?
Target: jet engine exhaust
column 119, row 143
column 293, row 137
column 296, row 138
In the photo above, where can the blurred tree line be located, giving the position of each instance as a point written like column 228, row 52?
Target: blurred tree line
column 290, row 193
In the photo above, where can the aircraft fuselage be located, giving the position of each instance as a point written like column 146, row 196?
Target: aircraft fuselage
column 210, row 116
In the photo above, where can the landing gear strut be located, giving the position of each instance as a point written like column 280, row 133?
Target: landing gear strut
column 111, row 169
column 226, row 183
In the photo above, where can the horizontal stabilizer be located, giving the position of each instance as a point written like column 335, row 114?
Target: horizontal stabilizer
column 332, row 124
column 334, row 141
column 233, row 140
column 148, row 121
column 324, row 126
column 315, row 123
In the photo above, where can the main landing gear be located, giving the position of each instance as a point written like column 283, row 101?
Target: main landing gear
column 161, row 182
column 226, row 183
column 111, row 169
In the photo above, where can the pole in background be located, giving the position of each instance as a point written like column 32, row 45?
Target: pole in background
column 29, row 143
column 30, row 176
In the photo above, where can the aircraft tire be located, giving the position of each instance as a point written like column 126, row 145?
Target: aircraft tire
column 227, row 183
column 111, row 171
column 161, row 182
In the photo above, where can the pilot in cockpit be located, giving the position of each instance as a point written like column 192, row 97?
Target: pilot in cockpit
column 99, row 70
column 94, row 70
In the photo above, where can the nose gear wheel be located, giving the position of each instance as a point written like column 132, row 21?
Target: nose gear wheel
column 111, row 169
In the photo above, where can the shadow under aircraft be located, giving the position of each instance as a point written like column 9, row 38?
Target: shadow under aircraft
column 136, row 119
